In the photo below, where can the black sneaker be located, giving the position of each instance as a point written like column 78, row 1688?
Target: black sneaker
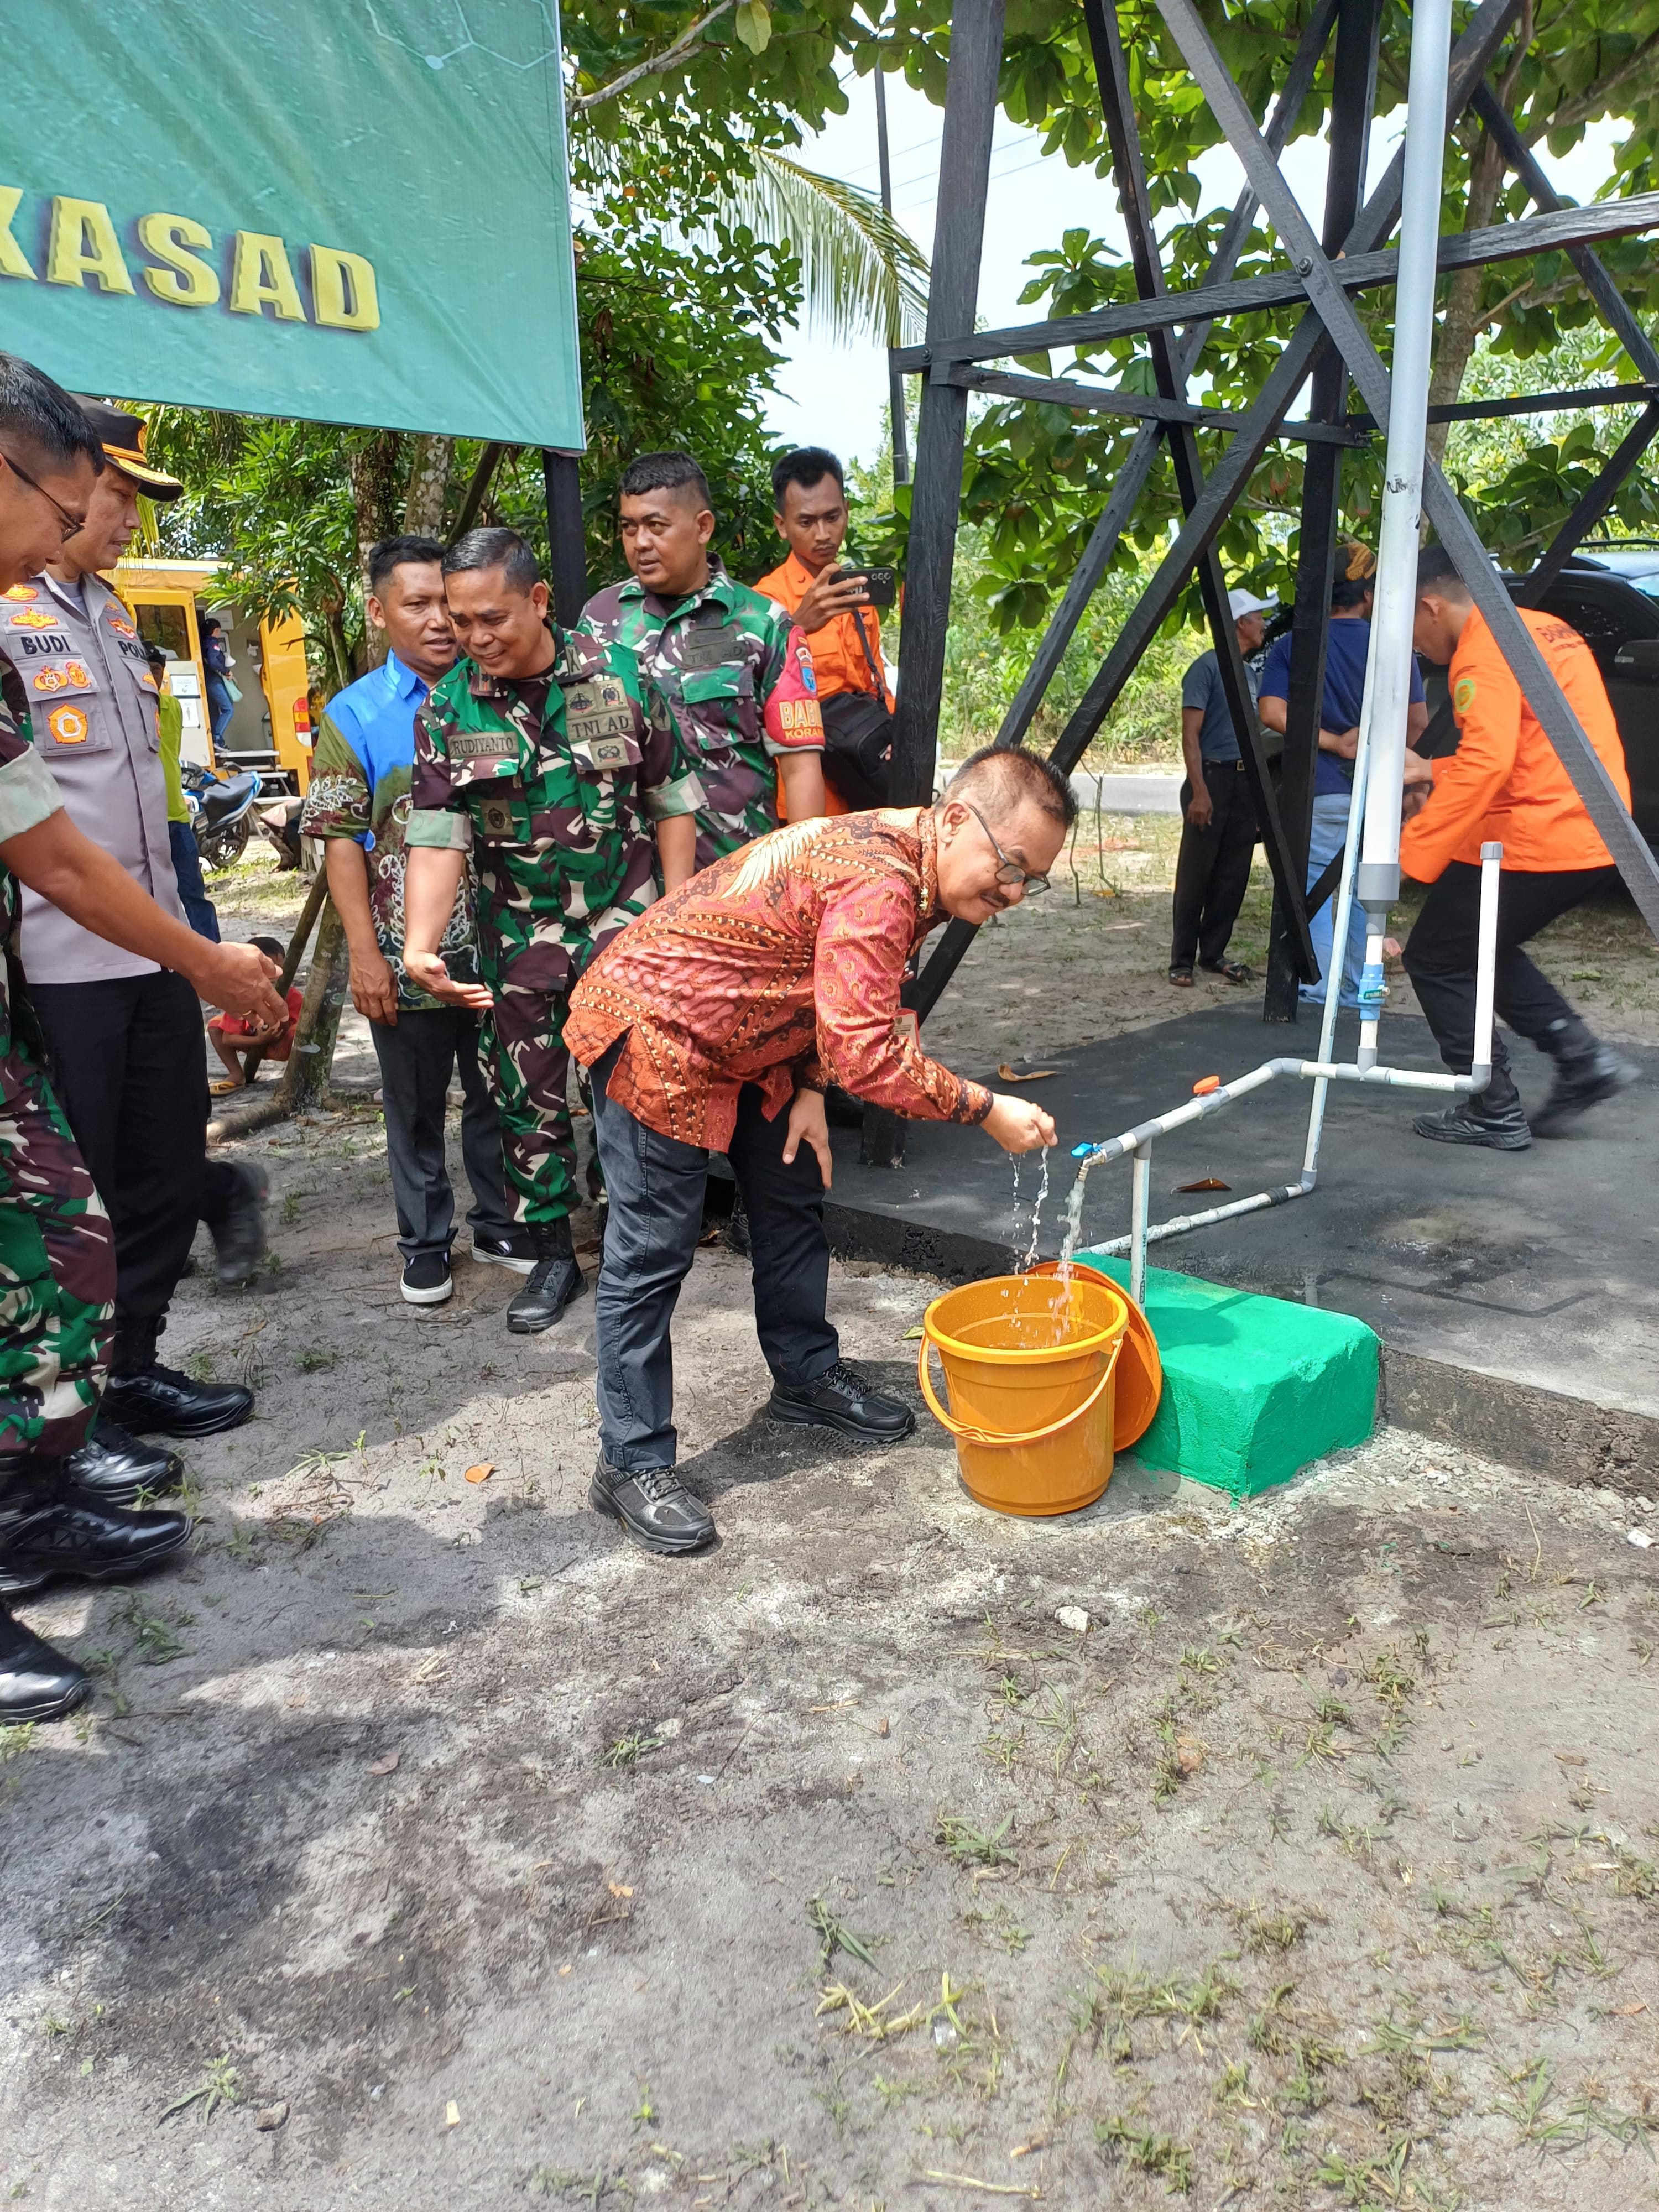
column 427, row 1280
column 67, row 1532
column 239, row 1232
column 654, row 1506
column 1580, row 1084
column 159, row 1400
column 115, row 1469
column 516, row 1251
column 552, row 1283
column 37, row 1683
column 841, row 1399
column 1505, row 1131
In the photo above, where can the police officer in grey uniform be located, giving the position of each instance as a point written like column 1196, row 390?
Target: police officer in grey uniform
column 122, row 1035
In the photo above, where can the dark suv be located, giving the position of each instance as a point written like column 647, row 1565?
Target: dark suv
column 1619, row 623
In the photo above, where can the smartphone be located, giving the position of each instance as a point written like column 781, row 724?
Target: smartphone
column 879, row 585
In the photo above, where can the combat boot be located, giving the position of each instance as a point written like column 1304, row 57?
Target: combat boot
column 116, row 1469
column 49, row 1528
column 155, row 1400
column 553, row 1282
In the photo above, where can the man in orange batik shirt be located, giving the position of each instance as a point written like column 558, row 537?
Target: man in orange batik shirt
column 713, row 1023
column 1505, row 781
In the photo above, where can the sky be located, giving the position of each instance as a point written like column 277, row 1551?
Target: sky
column 836, row 396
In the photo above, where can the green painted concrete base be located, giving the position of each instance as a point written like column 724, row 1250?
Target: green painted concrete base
column 1254, row 1388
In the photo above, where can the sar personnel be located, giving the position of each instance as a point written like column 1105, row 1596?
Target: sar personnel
column 734, row 668
column 549, row 758
column 1505, row 781
column 57, row 1252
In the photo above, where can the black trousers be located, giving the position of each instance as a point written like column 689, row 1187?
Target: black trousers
column 654, row 1221
column 416, row 1058
column 127, row 1063
column 1212, row 869
column 1440, row 959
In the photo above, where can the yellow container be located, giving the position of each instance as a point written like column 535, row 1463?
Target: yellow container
column 1029, row 1362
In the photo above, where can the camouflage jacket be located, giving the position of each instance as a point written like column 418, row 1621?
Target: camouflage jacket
column 558, row 819
column 738, row 675
column 27, row 796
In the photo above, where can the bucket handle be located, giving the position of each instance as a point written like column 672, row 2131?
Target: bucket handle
column 968, row 1434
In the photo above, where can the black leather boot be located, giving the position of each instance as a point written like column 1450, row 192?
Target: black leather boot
column 155, row 1400
column 841, row 1398
column 551, row 1284
column 37, row 1683
column 654, row 1506
column 115, row 1469
column 48, row 1528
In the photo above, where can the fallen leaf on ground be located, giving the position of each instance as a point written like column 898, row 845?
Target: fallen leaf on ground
column 386, row 1764
column 883, row 1726
column 1024, row 2151
column 1031, row 1075
column 1571, row 1758
column 910, row 1334
column 619, row 1889
column 1204, row 1182
column 1189, row 1753
column 483, row 1472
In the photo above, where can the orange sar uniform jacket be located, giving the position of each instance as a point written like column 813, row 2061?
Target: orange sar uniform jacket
column 1505, row 780
column 838, row 659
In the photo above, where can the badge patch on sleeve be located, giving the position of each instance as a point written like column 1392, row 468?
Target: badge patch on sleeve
column 1463, row 694
column 69, row 725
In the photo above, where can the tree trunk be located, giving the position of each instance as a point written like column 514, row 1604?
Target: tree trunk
column 376, row 490
column 429, row 486
column 306, row 1078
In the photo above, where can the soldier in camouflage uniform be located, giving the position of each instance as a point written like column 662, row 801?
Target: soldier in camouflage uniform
column 735, row 669
column 547, row 757
column 57, row 1251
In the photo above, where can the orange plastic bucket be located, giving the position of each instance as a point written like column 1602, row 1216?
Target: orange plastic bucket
column 1029, row 1363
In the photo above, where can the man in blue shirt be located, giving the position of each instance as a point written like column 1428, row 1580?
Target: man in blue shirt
column 1219, row 826
column 1347, row 649
column 358, row 803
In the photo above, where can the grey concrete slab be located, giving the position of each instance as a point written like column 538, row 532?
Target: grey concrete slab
column 1538, row 1269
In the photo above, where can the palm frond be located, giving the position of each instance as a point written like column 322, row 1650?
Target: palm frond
column 864, row 276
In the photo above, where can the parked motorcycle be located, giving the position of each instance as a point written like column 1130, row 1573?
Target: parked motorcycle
column 281, row 825
column 222, row 813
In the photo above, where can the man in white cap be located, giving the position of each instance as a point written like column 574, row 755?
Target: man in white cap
column 124, row 1035
column 1219, row 826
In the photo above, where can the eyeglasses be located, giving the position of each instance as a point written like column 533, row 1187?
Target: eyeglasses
column 72, row 523
column 1009, row 873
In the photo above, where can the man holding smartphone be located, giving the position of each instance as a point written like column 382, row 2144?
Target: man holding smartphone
column 836, row 609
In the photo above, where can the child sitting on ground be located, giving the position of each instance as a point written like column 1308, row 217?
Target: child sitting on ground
column 236, row 1041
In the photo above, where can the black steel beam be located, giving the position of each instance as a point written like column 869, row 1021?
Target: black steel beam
column 565, row 536
column 1591, row 508
column 1360, row 271
column 1131, row 477
column 1112, row 81
column 970, row 102
column 1590, row 778
column 1535, row 403
column 1354, row 97
column 1619, row 315
column 895, row 414
column 1099, row 400
column 1471, row 56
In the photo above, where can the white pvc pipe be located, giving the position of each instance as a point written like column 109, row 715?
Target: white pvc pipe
column 1485, row 965
column 1141, row 1211
column 1388, row 694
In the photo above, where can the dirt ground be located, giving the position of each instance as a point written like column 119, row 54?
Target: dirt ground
column 891, row 1852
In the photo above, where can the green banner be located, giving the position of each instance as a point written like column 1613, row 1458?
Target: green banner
column 347, row 211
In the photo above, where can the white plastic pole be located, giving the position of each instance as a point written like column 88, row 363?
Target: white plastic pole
column 1140, row 1210
column 1388, row 693
column 1486, row 961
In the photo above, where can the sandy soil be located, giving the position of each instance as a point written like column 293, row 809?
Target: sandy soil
column 428, row 1845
